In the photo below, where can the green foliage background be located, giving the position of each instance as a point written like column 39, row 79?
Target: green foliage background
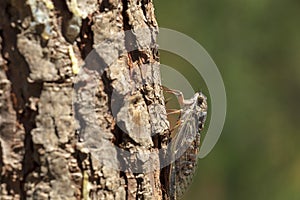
column 256, row 45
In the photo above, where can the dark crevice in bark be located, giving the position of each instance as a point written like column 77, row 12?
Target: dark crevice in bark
column 55, row 127
column 80, row 157
column 108, row 89
column 86, row 38
column 92, row 179
column 28, row 122
column 118, row 133
column 22, row 90
column 106, row 5
column 144, row 3
column 156, row 141
column 1, row 159
column 13, row 13
column 66, row 15
column 126, row 25
column 123, row 175
column 139, row 194
column 62, row 7
column 164, row 174
column 27, row 118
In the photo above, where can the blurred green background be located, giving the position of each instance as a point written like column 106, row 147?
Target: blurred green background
column 256, row 46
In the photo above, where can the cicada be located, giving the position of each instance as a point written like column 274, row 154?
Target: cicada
column 185, row 143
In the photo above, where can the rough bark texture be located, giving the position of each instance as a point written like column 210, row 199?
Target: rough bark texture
column 44, row 135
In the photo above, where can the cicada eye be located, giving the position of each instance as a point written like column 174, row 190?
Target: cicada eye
column 200, row 100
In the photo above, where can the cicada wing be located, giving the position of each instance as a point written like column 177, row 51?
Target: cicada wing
column 184, row 149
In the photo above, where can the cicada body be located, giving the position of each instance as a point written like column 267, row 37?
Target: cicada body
column 185, row 144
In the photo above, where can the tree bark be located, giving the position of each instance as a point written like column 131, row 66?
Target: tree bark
column 52, row 146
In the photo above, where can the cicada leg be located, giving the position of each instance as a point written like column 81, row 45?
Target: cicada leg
column 173, row 111
column 177, row 93
column 174, row 115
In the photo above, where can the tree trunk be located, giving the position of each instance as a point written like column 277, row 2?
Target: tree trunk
column 80, row 133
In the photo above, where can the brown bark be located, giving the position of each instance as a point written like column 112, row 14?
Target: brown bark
column 45, row 136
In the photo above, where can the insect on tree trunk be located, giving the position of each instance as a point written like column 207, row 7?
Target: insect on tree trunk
column 98, row 145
